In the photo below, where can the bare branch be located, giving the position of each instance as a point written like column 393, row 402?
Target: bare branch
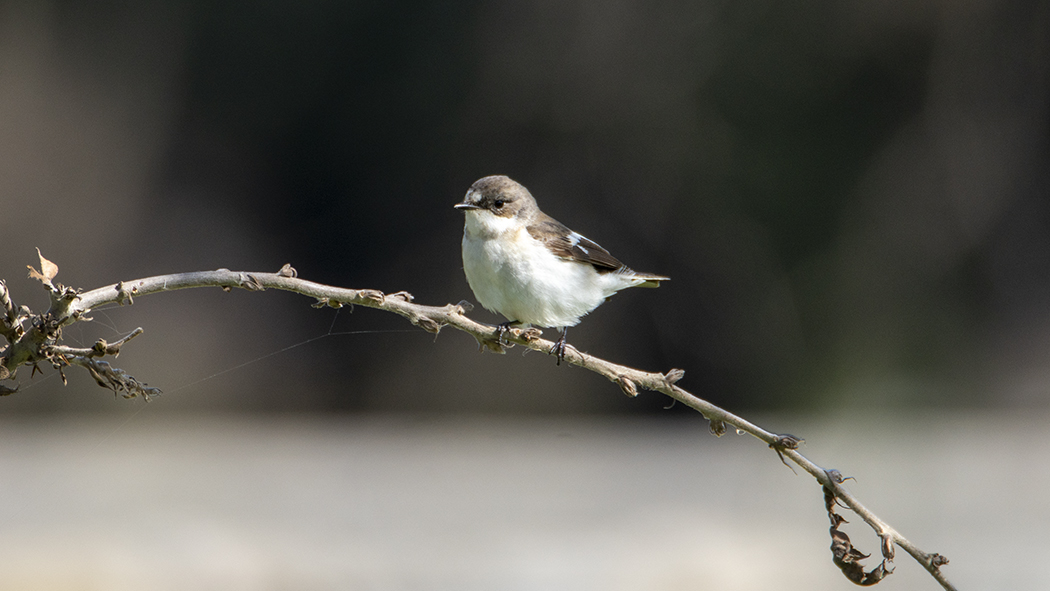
column 100, row 348
column 68, row 306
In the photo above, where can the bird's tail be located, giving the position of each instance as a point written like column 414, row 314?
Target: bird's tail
column 650, row 280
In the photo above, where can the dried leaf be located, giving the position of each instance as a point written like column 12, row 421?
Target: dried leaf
column 115, row 379
column 34, row 274
column 848, row 558
column 47, row 268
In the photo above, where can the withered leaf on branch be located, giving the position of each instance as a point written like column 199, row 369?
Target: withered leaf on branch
column 115, row 379
column 848, row 558
column 47, row 271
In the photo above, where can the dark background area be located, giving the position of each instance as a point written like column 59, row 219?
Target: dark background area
column 851, row 199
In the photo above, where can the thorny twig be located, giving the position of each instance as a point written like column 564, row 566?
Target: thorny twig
column 39, row 343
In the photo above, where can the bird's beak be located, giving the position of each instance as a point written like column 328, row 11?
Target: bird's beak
column 466, row 206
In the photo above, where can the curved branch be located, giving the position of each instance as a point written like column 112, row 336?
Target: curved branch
column 74, row 307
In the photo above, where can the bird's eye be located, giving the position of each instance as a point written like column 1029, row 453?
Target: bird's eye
column 497, row 203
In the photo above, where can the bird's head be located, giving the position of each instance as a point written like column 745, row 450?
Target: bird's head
column 497, row 203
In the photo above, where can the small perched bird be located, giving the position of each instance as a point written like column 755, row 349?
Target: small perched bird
column 525, row 265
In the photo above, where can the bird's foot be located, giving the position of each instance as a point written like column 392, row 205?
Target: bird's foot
column 559, row 348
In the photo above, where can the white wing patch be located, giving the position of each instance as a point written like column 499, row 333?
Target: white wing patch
column 574, row 242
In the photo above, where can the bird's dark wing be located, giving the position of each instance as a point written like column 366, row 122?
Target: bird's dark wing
column 567, row 244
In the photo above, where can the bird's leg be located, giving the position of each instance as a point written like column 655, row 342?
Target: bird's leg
column 559, row 346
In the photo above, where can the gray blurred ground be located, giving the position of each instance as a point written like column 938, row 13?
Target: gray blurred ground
column 142, row 498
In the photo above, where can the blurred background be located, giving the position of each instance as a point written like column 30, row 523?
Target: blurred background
column 851, row 199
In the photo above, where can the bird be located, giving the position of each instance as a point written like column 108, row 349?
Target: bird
column 532, row 269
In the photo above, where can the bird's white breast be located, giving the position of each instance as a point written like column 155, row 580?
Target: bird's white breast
column 515, row 275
